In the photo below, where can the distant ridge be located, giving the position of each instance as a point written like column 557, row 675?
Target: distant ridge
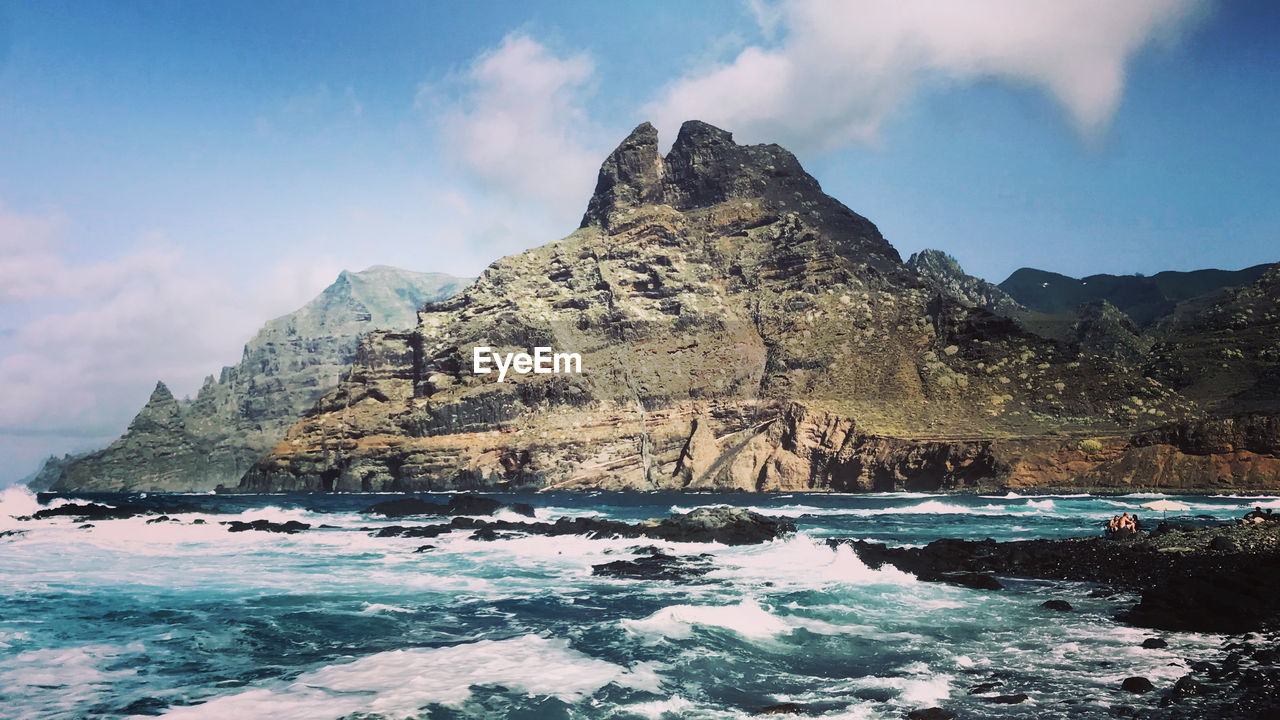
column 196, row 445
column 1146, row 299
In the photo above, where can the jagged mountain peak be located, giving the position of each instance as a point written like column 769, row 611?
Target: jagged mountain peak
column 704, row 167
column 160, row 394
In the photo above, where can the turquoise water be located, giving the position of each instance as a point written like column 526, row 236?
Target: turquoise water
column 185, row 620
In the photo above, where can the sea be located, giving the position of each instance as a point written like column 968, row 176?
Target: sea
column 184, row 620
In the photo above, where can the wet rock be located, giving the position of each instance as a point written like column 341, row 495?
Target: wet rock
column 1058, row 605
column 728, row 525
column 424, row 548
column 414, row 531
column 485, row 534
column 985, row 687
column 1008, row 699
column 86, row 526
column 1202, row 666
column 289, row 528
column 462, row 504
column 933, row 713
column 198, row 521
column 473, row 505
column 162, row 518
column 94, row 511
column 12, row 533
column 1187, row 687
column 1224, row 544
column 781, row 709
column 1154, row 644
column 974, row 580
column 657, row 566
column 1137, row 684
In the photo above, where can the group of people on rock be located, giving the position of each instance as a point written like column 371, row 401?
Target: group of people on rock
column 1124, row 524
column 1258, row 515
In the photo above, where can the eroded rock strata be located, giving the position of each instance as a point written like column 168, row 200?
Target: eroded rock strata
column 740, row 329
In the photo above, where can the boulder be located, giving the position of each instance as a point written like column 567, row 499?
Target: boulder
column 933, row 713
column 1137, row 684
column 1058, row 605
column 289, row 528
column 728, row 525
column 1154, row 644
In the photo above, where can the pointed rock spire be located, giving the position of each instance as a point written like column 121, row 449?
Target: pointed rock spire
column 631, row 175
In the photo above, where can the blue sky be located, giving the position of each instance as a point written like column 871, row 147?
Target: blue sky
column 173, row 174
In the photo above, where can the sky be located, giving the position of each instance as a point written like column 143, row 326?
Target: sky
column 174, row 174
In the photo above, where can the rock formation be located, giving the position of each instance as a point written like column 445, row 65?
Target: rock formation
column 293, row 361
column 740, row 329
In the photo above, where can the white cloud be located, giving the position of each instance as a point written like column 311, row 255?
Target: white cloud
column 518, row 127
column 82, row 343
column 841, row 67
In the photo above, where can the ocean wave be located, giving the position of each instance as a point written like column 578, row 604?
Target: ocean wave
column 805, row 561
column 746, row 618
column 399, row 683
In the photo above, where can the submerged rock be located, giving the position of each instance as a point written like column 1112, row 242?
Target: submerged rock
column 1137, row 684
column 657, row 566
column 463, row 504
column 1154, row 644
column 289, row 528
column 94, row 511
column 933, row 713
column 1059, row 605
column 1008, row 699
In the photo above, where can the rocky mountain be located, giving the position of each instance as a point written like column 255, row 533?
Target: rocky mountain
column 234, row 419
column 945, row 274
column 740, row 329
column 1145, row 299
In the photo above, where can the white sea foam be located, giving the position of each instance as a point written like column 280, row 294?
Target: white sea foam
column 803, row 560
column 399, row 683
column 18, row 501
column 747, row 619
column 54, row 682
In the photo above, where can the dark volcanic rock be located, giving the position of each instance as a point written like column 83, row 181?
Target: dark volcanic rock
column 415, row 531
column 94, row 511
column 1187, row 687
column 1059, row 605
column 291, row 527
column 658, row 566
column 933, row 713
column 1137, row 685
column 1185, row 585
column 1008, row 699
column 728, row 525
column 782, row 709
column 462, row 504
column 1154, row 644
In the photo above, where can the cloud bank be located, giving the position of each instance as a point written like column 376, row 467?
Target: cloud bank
column 840, row 68
column 82, row 343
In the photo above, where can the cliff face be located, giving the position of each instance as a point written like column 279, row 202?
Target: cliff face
column 292, row 362
column 739, row 329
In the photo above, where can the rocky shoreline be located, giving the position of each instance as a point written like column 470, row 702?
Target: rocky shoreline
column 1220, row 579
